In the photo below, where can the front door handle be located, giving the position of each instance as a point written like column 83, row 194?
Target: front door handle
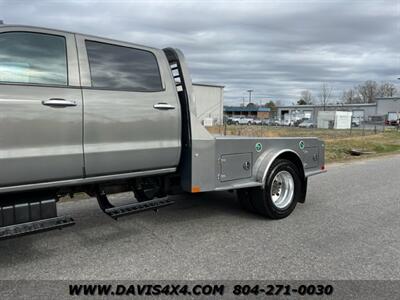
column 59, row 102
column 163, row 106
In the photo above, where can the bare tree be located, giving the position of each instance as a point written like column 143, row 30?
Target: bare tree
column 324, row 94
column 351, row 96
column 368, row 91
column 305, row 97
column 387, row 89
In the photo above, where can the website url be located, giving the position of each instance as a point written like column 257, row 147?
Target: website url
column 145, row 290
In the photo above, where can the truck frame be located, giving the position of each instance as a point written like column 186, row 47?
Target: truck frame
column 269, row 174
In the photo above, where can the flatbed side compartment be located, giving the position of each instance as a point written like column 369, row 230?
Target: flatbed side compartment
column 262, row 159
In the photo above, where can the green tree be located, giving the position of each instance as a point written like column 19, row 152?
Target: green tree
column 251, row 105
column 271, row 104
column 301, row 102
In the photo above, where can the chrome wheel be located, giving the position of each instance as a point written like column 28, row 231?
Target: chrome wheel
column 282, row 189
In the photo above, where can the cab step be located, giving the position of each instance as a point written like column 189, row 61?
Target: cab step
column 31, row 217
column 124, row 210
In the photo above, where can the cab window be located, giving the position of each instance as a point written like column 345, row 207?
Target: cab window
column 33, row 58
column 122, row 68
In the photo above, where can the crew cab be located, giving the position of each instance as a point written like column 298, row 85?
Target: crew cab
column 82, row 113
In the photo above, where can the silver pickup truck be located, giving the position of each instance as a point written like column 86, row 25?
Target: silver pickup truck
column 81, row 113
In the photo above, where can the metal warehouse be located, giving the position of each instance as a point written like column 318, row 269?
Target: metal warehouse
column 363, row 111
column 293, row 112
column 387, row 105
column 209, row 102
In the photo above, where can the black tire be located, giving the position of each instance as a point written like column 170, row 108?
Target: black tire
column 261, row 198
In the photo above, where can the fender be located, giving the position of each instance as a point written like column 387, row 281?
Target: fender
column 265, row 161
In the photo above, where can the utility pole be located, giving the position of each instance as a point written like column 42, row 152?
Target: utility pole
column 250, row 91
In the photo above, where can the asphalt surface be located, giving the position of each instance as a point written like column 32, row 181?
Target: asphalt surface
column 349, row 228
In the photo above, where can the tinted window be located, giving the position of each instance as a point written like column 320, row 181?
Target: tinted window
column 121, row 68
column 33, row 58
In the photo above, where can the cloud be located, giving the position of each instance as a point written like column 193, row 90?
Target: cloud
column 276, row 48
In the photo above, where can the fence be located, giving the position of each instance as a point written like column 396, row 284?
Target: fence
column 364, row 128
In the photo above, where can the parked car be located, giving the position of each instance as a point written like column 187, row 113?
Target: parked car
column 233, row 120
column 276, row 123
column 299, row 121
column 307, row 124
column 229, row 121
column 288, row 123
column 266, row 122
column 244, row 121
column 256, row 122
column 355, row 122
column 240, row 121
column 392, row 119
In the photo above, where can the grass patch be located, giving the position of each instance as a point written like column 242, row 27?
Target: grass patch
column 338, row 143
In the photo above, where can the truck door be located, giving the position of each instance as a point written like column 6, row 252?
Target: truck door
column 40, row 107
column 132, row 116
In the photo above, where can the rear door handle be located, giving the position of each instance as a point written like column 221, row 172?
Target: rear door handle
column 163, row 106
column 59, row 102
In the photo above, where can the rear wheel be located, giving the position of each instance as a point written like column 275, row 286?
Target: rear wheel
column 283, row 189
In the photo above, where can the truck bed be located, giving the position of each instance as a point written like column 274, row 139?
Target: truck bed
column 236, row 162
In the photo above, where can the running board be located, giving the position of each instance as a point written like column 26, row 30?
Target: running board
column 124, row 210
column 35, row 227
column 31, row 217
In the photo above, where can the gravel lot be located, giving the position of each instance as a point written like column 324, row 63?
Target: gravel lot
column 349, row 228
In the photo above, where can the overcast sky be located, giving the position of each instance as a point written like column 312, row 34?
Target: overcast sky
column 276, row 48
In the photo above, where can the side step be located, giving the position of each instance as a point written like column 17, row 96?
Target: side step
column 32, row 217
column 35, row 227
column 124, row 210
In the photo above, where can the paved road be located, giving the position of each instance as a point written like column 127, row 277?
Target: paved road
column 349, row 228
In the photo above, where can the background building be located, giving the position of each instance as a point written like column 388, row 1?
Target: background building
column 210, row 107
column 296, row 112
column 361, row 111
column 209, row 100
column 387, row 105
column 250, row 112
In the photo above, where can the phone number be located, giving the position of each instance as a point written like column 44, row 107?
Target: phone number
column 281, row 289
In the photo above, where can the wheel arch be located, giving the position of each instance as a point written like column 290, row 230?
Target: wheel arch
column 265, row 162
column 294, row 158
